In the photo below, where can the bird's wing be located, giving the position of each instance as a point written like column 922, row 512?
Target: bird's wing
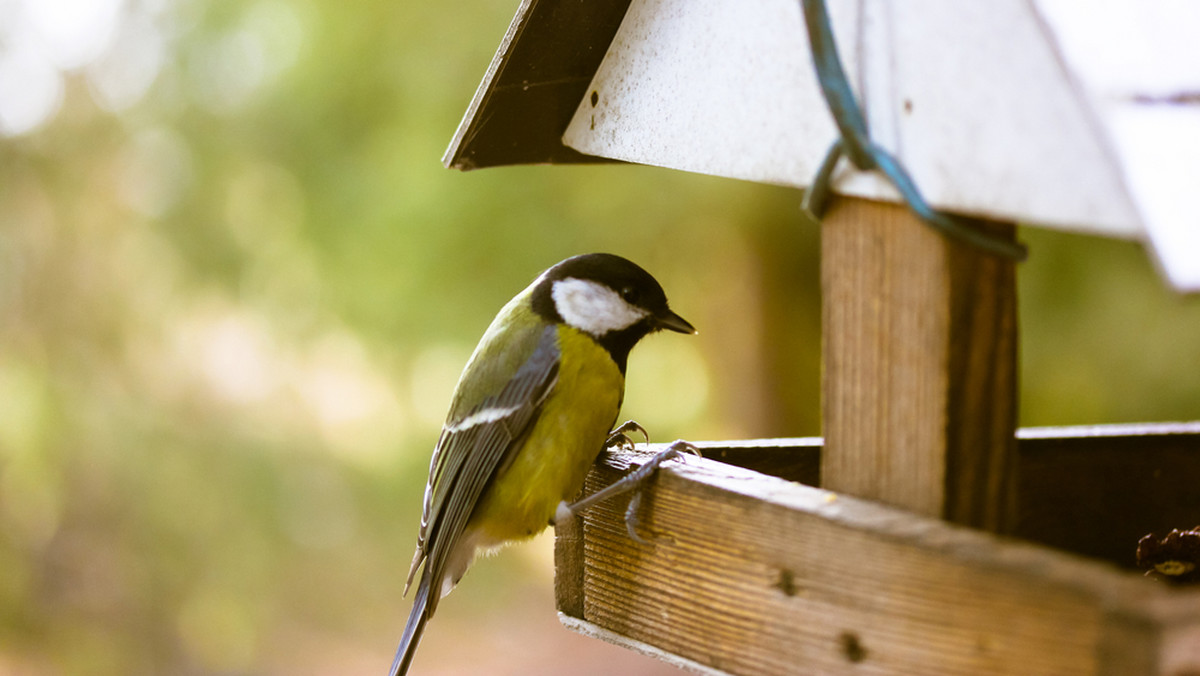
column 473, row 445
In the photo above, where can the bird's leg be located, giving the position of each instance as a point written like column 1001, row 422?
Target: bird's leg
column 633, row 481
column 619, row 437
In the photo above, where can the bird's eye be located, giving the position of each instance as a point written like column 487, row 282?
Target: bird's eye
column 630, row 295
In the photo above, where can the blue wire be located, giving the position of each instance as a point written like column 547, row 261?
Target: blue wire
column 855, row 143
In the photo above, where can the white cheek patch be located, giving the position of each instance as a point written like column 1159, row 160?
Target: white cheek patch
column 593, row 307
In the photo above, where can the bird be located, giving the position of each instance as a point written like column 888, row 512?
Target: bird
column 531, row 412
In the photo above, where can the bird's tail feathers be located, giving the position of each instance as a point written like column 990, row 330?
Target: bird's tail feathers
column 418, row 559
column 420, row 614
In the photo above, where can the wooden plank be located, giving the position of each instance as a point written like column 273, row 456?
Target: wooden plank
column 595, row 631
column 795, row 459
column 1091, row 490
column 751, row 574
column 920, row 354
column 538, row 76
column 1096, row 490
column 568, row 567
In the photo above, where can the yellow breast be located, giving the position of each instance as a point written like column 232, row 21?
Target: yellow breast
column 566, row 438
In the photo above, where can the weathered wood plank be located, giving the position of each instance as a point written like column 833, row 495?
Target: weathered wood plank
column 1090, row 490
column 568, row 567
column 755, row 575
column 794, row 459
column 594, row 631
column 920, row 355
column 1096, row 490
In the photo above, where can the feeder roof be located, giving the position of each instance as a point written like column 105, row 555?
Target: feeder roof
column 1073, row 115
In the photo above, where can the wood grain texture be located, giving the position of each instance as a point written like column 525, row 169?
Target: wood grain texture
column 920, row 357
column 568, row 567
column 1092, row 490
column 755, row 575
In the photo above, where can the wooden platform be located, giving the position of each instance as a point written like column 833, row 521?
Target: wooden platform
column 762, row 573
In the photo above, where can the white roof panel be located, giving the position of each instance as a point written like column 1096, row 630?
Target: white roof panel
column 1061, row 113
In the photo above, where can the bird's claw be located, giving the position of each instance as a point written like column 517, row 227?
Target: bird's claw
column 634, row 481
column 643, row 474
column 619, row 437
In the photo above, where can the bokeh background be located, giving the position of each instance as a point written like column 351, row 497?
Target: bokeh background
column 237, row 287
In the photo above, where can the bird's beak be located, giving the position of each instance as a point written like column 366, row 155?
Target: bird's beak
column 672, row 321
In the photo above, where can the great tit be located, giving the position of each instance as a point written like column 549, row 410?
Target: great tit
column 530, row 414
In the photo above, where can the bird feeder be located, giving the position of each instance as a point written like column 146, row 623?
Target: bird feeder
column 924, row 534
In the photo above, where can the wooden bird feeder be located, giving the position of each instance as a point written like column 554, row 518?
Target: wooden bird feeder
column 924, row 534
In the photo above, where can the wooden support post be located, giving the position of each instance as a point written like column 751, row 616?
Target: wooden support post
column 920, row 366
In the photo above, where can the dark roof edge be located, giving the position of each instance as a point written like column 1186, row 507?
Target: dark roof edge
column 534, row 84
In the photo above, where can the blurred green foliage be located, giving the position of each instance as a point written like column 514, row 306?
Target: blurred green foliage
column 233, row 302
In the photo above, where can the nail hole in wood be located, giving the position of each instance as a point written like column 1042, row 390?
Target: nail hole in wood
column 852, row 647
